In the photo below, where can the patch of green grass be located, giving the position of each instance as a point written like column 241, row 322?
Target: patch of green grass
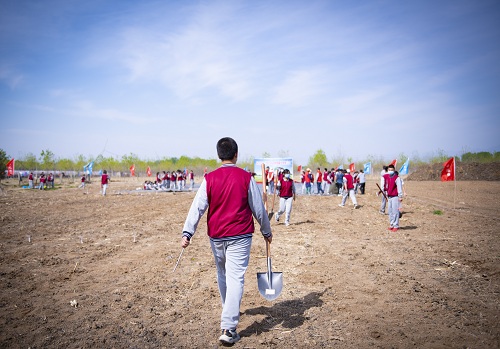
column 438, row 212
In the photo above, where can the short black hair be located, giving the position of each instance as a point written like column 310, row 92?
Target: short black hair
column 390, row 166
column 385, row 168
column 227, row 148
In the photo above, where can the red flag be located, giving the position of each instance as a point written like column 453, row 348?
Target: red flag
column 448, row 172
column 10, row 168
column 394, row 162
column 299, row 168
column 148, row 171
column 132, row 170
column 351, row 167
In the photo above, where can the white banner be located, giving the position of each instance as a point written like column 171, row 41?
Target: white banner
column 273, row 163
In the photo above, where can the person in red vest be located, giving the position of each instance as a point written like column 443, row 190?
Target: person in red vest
column 303, row 181
column 191, row 180
column 104, row 182
column 383, row 204
column 233, row 200
column 327, row 181
column 286, row 190
column 30, row 181
column 308, row 179
column 394, row 189
column 82, row 181
column 173, row 179
column 43, row 179
column 50, row 180
column 270, row 180
column 348, row 189
column 319, row 182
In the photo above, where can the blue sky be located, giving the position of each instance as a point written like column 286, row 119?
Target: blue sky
column 169, row 78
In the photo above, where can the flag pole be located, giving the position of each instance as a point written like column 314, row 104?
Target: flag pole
column 454, row 180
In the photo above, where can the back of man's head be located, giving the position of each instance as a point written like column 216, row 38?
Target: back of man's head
column 227, row 148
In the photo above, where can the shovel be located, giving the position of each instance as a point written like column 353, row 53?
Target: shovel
column 269, row 283
column 383, row 192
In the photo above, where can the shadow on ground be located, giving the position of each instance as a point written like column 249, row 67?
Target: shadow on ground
column 289, row 314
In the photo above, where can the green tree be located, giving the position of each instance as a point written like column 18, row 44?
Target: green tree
column 129, row 160
column 483, row 157
column 440, row 157
column 496, row 156
column 65, row 164
column 4, row 159
column 318, row 159
column 47, row 159
column 80, row 161
column 30, row 162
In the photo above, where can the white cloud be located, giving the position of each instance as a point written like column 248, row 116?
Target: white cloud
column 299, row 88
column 10, row 77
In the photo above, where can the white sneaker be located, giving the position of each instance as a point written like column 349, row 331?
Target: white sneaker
column 229, row 337
column 287, row 224
column 277, row 218
column 340, row 205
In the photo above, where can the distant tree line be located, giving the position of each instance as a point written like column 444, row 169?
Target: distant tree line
column 47, row 161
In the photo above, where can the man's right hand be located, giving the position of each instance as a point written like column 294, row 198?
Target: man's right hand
column 185, row 242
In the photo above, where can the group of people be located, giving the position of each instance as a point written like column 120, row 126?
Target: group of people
column 45, row 181
column 174, row 181
column 330, row 181
column 105, row 179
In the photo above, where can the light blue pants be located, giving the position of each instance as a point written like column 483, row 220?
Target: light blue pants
column 286, row 208
column 231, row 259
column 351, row 194
column 383, row 204
column 393, row 206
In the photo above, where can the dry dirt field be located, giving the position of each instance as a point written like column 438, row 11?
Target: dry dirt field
column 78, row 270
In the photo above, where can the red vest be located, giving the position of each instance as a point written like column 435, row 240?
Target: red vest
column 349, row 180
column 320, row 177
column 286, row 189
column 229, row 213
column 104, row 179
column 390, row 185
column 326, row 177
column 308, row 179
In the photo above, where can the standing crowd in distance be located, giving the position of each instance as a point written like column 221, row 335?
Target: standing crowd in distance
column 173, row 181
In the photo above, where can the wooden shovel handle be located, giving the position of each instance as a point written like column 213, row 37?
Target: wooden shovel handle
column 383, row 193
column 268, row 249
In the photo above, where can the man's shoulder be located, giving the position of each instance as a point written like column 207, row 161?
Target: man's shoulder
column 223, row 170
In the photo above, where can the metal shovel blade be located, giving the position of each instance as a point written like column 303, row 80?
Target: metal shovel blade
column 270, row 283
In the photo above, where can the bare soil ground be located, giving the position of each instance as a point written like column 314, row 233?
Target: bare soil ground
column 348, row 281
